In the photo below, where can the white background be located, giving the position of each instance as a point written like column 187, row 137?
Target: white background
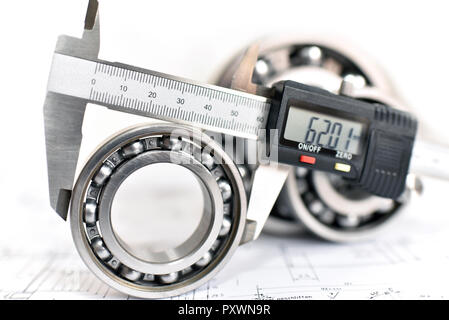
column 194, row 39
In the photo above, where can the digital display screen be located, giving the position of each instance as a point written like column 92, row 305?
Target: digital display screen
column 323, row 130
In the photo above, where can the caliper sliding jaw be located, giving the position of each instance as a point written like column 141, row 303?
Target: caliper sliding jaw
column 268, row 179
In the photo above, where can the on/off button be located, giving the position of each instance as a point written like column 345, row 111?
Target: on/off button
column 307, row 159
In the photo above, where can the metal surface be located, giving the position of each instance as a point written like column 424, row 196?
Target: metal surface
column 63, row 118
column 267, row 183
column 172, row 271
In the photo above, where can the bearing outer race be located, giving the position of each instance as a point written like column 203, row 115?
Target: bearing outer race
column 83, row 246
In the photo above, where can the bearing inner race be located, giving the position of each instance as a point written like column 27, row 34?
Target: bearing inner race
column 192, row 249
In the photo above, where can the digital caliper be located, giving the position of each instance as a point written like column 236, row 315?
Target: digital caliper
column 368, row 143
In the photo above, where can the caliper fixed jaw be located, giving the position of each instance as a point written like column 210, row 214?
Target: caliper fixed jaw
column 63, row 117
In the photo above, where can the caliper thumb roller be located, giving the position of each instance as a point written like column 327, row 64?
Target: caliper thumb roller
column 366, row 143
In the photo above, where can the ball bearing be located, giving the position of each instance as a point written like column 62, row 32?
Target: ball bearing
column 172, row 271
column 327, row 206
